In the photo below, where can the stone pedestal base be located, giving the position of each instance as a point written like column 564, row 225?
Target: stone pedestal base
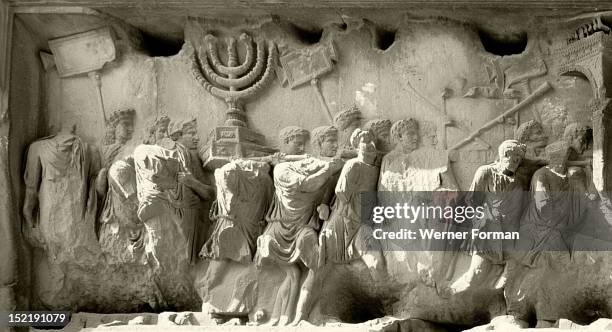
column 229, row 142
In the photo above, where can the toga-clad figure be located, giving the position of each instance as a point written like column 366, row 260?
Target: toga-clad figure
column 501, row 193
column 359, row 175
column 58, row 178
column 303, row 190
column 244, row 189
column 121, row 233
column 169, row 197
column 59, row 210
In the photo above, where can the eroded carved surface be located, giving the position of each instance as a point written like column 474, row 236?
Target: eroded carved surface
column 120, row 221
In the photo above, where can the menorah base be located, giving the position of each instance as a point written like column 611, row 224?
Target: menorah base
column 230, row 142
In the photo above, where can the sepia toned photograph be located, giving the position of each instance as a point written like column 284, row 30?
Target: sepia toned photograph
column 305, row 165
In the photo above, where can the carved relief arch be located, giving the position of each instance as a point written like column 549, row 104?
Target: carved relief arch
column 587, row 54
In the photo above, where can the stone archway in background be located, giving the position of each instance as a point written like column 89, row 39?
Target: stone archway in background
column 590, row 56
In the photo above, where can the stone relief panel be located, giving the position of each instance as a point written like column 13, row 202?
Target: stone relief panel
column 129, row 193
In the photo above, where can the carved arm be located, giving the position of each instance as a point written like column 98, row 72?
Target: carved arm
column 203, row 190
column 318, row 179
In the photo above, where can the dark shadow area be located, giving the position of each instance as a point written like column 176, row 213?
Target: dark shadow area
column 158, row 46
column 592, row 305
column 341, row 26
column 383, row 37
column 503, row 44
column 307, row 36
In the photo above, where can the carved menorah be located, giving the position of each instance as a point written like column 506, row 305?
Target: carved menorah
column 235, row 82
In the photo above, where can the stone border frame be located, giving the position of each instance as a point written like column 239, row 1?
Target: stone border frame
column 8, row 226
column 589, row 56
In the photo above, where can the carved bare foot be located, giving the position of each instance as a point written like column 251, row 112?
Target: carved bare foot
column 208, row 309
column 463, row 283
column 301, row 322
column 507, row 323
column 232, row 322
column 258, row 318
column 470, row 279
column 544, row 324
column 272, row 322
column 183, row 318
column 284, row 321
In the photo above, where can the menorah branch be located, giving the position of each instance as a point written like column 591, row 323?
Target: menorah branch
column 236, row 83
column 208, row 70
column 213, row 55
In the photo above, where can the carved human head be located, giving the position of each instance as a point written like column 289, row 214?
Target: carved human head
column 346, row 122
column 325, row 141
column 157, row 130
column 510, row 155
column 293, row 140
column 405, row 133
column 381, row 128
column 576, row 135
column 120, row 126
column 428, row 133
column 557, row 153
column 363, row 141
column 531, row 133
column 185, row 132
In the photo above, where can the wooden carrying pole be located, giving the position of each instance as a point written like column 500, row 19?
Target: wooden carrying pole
column 537, row 93
column 317, row 89
column 95, row 77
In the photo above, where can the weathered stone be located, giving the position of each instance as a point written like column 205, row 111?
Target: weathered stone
column 124, row 235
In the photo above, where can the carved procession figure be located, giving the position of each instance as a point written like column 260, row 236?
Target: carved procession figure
column 59, row 175
column 59, row 210
column 555, row 207
column 532, row 135
column 244, row 189
column 343, row 237
column 346, row 122
column 121, row 234
column 185, row 135
column 580, row 169
column 410, row 168
column 381, row 128
column 418, row 176
column 293, row 140
column 303, row 190
column 119, row 131
column 500, row 192
column 169, row 196
column 382, row 132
